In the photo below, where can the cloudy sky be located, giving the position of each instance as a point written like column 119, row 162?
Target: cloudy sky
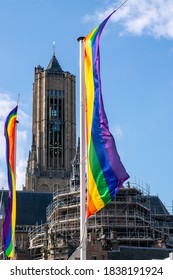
column 136, row 69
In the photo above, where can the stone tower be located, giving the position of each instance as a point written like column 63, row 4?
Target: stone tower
column 53, row 128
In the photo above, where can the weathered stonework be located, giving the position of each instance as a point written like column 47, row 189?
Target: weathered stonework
column 53, row 128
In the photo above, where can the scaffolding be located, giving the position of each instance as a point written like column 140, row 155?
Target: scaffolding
column 133, row 218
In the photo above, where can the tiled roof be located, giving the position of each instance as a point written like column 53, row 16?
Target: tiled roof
column 31, row 206
column 157, row 207
column 54, row 65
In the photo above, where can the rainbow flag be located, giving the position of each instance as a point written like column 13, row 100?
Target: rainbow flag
column 106, row 172
column 10, row 218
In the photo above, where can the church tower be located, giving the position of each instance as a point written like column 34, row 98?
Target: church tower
column 53, row 128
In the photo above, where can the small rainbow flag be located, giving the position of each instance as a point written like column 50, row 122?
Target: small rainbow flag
column 10, row 218
column 106, row 172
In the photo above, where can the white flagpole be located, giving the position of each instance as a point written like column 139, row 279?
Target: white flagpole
column 15, row 176
column 83, row 233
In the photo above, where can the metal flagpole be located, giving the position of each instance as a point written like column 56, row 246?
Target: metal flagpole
column 83, row 233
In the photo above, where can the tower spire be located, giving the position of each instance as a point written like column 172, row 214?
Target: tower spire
column 54, row 65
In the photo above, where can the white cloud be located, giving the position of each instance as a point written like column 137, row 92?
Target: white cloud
column 3, row 178
column 21, row 156
column 150, row 17
column 20, row 173
column 117, row 132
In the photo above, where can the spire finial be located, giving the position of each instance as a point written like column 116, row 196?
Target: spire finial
column 53, row 47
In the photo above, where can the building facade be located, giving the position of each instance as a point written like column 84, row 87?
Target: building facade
column 132, row 220
column 53, row 128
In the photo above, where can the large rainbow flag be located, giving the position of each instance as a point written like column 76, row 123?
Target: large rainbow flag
column 10, row 218
column 106, row 172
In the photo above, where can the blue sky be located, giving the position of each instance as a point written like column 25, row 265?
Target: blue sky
column 136, row 69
